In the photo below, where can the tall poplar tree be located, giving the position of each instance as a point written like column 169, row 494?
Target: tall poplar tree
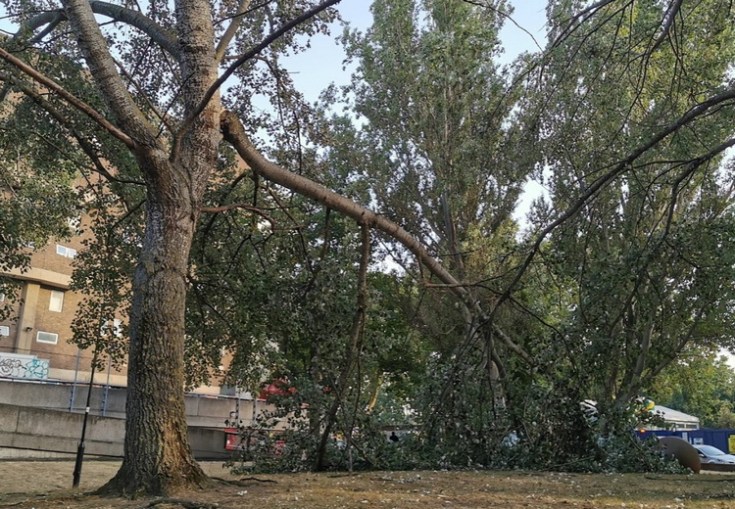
column 435, row 112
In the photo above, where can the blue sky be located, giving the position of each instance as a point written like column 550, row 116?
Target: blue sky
column 322, row 63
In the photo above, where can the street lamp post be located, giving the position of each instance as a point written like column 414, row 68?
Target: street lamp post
column 80, row 450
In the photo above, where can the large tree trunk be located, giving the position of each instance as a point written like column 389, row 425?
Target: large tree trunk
column 158, row 458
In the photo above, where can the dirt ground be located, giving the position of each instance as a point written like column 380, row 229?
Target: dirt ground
column 46, row 484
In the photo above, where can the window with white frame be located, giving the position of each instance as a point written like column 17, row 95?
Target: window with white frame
column 4, row 330
column 117, row 328
column 74, row 223
column 113, row 326
column 47, row 337
column 56, row 302
column 65, row 251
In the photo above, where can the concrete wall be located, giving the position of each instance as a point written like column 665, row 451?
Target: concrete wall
column 24, row 431
column 55, row 431
column 48, row 417
column 201, row 410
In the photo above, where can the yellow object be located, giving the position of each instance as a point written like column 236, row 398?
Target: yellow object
column 731, row 444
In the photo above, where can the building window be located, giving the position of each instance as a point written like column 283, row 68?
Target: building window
column 56, row 303
column 74, row 223
column 47, row 337
column 65, row 251
column 4, row 330
column 113, row 326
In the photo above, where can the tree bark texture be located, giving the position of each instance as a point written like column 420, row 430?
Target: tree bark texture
column 157, row 458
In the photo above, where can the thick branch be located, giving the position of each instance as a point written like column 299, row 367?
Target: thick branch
column 51, row 19
column 164, row 38
column 161, row 36
column 104, row 71
column 235, row 134
column 231, row 30
column 668, row 22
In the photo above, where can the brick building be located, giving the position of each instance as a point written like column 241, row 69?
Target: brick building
column 34, row 340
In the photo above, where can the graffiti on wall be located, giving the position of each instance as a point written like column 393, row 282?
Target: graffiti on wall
column 23, row 366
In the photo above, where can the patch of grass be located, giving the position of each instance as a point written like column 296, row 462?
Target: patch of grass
column 401, row 490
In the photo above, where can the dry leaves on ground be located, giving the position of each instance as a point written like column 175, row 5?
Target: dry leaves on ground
column 41, row 485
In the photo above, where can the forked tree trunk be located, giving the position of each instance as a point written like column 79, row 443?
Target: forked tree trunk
column 157, row 458
column 176, row 167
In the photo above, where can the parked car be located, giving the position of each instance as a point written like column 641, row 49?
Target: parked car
column 709, row 454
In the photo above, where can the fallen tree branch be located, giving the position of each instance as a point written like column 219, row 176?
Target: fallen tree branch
column 242, row 482
column 234, row 133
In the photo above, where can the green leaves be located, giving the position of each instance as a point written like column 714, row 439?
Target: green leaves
column 645, row 258
column 699, row 383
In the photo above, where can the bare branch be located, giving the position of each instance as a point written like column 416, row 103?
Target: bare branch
column 576, row 21
column 67, row 96
column 353, row 347
column 243, row 206
column 272, row 37
column 504, row 15
column 231, row 30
